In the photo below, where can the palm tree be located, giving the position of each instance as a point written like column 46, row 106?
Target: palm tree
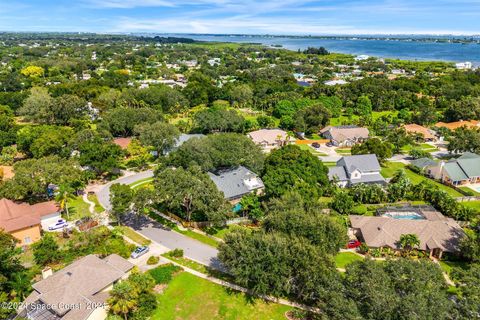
column 409, row 241
column 123, row 299
column 64, row 194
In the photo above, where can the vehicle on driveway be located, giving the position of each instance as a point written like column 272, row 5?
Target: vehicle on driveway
column 139, row 251
column 316, row 145
column 60, row 224
column 352, row 244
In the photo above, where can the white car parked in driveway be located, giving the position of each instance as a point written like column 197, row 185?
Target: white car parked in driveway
column 60, row 224
column 139, row 251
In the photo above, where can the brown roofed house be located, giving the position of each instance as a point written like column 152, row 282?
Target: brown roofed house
column 425, row 133
column 345, row 136
column 458, row 124
column 437, row 233
column 270, row 139
column 77, row 292
column 25, row 221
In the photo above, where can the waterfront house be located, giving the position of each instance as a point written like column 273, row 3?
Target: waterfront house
column 236, row 183
column 357, row 169
column 345, row 136
column 24, row 221
column 77, row 292
column 437, row 233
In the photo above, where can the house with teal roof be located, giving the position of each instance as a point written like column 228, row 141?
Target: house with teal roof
column 464, row 170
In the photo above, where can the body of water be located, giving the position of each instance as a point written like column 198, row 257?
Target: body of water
column 383, row 48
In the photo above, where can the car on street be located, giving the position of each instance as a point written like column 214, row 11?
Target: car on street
column 139, row 251
column 316, row 145
column 60, row 224
column 352, row 244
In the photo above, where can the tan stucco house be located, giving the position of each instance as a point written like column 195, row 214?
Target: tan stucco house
column 25, row 221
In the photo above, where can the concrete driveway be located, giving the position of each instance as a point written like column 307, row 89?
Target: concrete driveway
column 167, row 238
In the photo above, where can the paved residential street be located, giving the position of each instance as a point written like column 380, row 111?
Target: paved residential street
column 103, row 194
column 160, row 234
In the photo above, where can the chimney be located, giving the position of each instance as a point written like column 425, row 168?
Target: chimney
column 47, row 272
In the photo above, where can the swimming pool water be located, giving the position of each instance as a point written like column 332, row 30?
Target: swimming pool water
column 404, row 215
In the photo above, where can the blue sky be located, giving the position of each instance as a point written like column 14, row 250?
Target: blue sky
column 244, row 16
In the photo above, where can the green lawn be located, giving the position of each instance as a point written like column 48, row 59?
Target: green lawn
column 98, row 207
column 467, row 189
column 311, row 150
column 330, row 164
column 472, row 204
column 343, row 151
column 343, row 119
column 187, row 263
column 391, row 167
column 188, row 297
column 449, row 266
column 342, row 259
column 140, row 183
column 189, row 233
column 423, row 146
column 77, row 209
column 130, row 233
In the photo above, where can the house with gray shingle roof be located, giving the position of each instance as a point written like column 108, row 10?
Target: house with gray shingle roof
column 461, row 171
column 423, row 163
column 357, row 169
column 237, row 182
column 76, row 292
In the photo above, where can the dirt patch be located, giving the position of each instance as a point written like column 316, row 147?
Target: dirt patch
column 7, row 172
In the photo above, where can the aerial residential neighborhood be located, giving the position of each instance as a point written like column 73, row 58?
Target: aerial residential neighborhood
column 239, row 160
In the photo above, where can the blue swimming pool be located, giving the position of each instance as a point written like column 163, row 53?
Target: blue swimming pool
column 404, row 215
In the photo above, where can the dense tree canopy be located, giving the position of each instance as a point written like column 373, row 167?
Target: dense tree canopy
column 190, row 194
column 218, row 151
column 293, row 169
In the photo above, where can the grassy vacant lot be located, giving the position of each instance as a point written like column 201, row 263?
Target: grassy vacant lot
column 188, row 297
column 131, row 234
column 343, row 119
column 344, row 258
column 391, row 167
column 189, row 233
column 423, row 146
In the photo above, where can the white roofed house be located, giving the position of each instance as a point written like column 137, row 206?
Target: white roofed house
column 270, row 139
column 236, row 183
column 358, row 169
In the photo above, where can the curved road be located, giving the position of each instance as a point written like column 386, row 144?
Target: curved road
column 160, row 234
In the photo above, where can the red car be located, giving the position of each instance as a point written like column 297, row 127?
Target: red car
column 352, row 244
